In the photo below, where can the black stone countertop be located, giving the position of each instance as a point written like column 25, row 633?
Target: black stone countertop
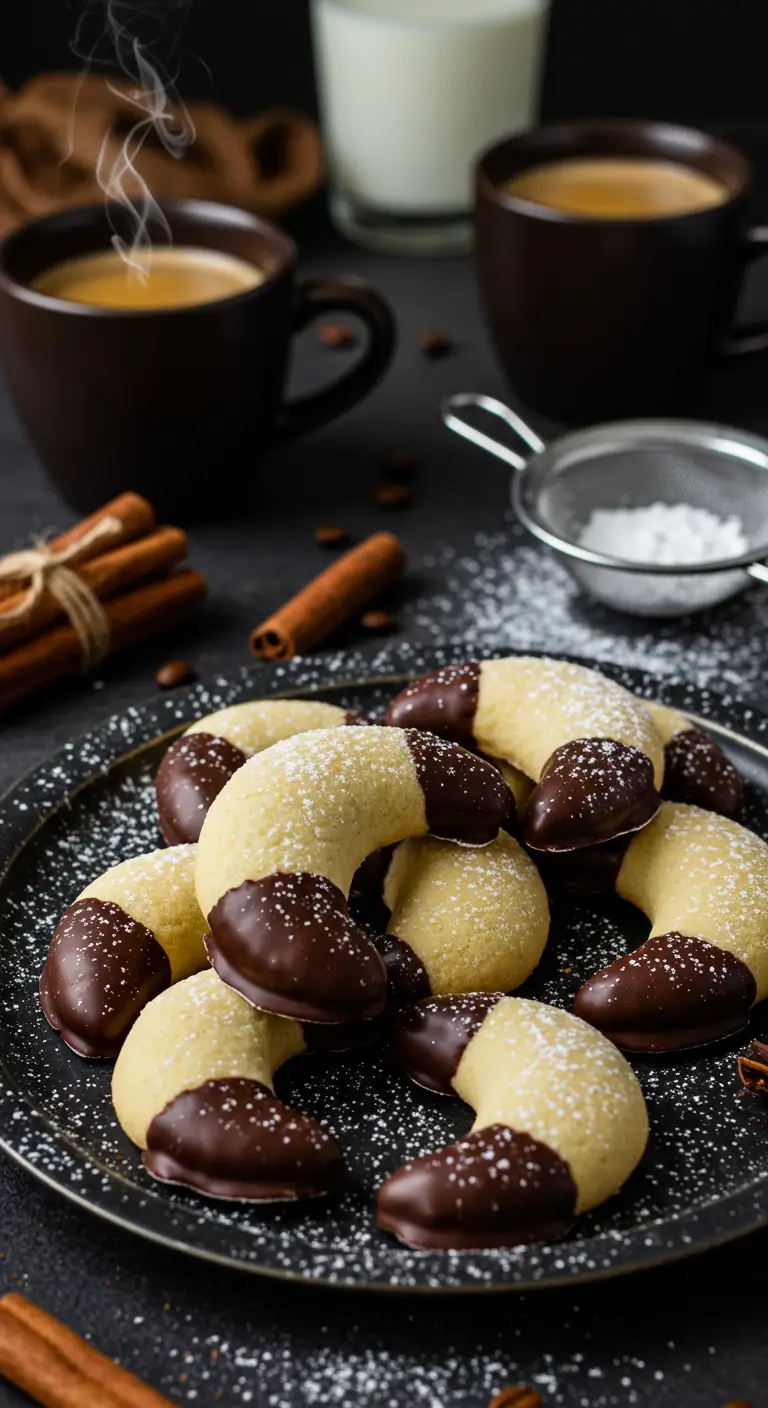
column 692, row 1336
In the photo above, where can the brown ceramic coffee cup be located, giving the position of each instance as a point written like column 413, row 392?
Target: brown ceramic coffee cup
column 176, row 403
column 594, row 318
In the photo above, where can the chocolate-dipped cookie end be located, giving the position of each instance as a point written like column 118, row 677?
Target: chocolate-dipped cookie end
column 697, row 772
column 102, row 968
column 431, row 1037
column 191, row 775
column 673, row 993
column 465, row 798
column 442, row 703
column 407, row 977
column 591, row 790
column 287, row 943
column 234, row 1139
column 493, row 1188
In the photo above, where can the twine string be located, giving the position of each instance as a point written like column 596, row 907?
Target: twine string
column 53, row 572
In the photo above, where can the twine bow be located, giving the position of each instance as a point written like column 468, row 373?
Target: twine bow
column 48, row 571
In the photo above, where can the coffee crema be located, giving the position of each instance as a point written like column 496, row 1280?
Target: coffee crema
column 618, row 188
column 175, row 278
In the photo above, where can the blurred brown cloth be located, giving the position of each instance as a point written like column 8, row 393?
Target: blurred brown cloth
column 53, row 129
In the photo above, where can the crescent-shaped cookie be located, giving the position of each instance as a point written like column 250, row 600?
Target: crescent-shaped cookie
column 131, row 933
column 560, row 1123
column 193, row 1088
column 589, row 745
column 462, row 920
column 283, row 839
column 197, row 765
column 696, row 769
column 702, row 880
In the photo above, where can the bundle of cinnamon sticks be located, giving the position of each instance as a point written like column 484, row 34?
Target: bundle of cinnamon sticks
column 128, row 569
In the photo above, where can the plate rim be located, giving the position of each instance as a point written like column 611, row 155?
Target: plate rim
column 746, row 1206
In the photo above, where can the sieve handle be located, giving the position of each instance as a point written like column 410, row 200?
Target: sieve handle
column 451, row 412
column 759, row 572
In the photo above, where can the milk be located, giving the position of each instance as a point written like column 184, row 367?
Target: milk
column 412, row 90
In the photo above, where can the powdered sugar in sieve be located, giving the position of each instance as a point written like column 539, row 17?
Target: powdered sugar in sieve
column 667, row 534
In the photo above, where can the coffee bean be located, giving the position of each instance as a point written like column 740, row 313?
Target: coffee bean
column 336, row 335
column 331, row 535
column 392, row 495
column 175, row 672
column 400, row 465
column 436, row 344
column 377, row 621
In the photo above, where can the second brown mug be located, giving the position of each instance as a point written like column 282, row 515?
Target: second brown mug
column 179, row 403
column 601, row 317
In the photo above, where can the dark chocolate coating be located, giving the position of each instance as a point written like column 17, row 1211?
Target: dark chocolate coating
column 191, row 775
column 234, row 1139
column 698, row 772
column 671, row 993
column 443, row 703
column 591, row 790
column 324, row 1038
column 493, row 1188
column 288, row 944
column 466, row 799
column 590, row 870
column 102, row 968
column 430, row 1039
column 368, row 879
column 406, row 975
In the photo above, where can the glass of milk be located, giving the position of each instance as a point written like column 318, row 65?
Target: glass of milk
column 410, row 93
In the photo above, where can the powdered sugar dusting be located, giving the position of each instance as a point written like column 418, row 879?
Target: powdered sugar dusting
column 460, row 901
column 591, row 1076
column 510, row 595
column 715, row 868
column 172, row 868
column 590, row 705
column 251, row 729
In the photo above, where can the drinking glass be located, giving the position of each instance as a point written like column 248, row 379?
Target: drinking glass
column 410, row 92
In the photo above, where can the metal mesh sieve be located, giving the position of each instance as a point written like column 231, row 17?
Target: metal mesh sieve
column 633, row 464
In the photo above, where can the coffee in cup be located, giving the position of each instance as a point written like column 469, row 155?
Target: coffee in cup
column 163, row 278
column 618, row 188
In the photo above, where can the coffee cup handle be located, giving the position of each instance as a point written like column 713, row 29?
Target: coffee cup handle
column 314, row 299
column 754, row 337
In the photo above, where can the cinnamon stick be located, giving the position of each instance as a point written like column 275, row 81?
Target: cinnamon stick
column 136, row 515
column 132, row 617
column 59, row 1369
column 106, row 576
column 332, row 598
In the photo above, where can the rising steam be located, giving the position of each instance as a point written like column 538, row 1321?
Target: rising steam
column 128, row 36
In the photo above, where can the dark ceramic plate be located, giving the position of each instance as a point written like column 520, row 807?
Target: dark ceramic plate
column 705, row 1176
